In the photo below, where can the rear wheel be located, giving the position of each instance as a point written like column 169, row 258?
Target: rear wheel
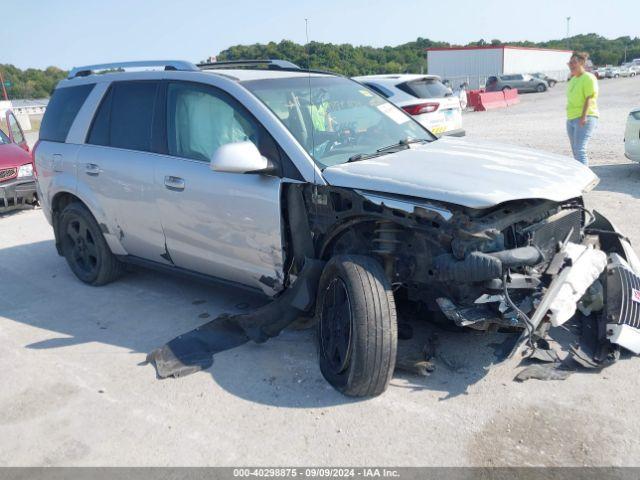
column 504, row 89
column 357, row 326
column 84, row 247
column 541, row 88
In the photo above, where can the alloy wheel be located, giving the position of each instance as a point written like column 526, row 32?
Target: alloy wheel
column 335, row 326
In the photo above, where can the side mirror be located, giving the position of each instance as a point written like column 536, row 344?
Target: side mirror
column 240, row 157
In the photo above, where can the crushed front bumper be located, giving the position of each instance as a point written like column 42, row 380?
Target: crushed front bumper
column 18, row 193
column 617, row 311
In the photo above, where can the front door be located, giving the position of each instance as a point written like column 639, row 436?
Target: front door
column 226, row 225
column 15, row 131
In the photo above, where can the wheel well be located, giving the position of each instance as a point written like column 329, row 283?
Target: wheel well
column 353, row 227
column 58, row 204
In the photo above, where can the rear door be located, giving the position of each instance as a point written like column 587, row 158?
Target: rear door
column 522, row 83
column 226, row 225
column 116, row 165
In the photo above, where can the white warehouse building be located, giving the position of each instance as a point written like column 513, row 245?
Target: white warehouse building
column 475, row 64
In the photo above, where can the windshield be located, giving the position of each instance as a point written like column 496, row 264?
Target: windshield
column 336, row 119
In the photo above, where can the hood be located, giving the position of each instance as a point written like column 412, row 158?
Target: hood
column 468, row 173
column 11, row 155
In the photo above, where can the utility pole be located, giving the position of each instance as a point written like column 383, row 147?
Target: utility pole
column 4, row 90
column 568, row 20
column 625, row 54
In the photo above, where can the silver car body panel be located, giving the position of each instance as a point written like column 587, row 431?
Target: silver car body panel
column 472, row 174
column 125, row 190
column 226, row 225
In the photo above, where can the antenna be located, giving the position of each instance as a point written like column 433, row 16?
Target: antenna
column 313, row 140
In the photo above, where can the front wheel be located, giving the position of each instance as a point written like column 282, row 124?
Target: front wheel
column 541, row 88
column 357, row 326
column 85, row 248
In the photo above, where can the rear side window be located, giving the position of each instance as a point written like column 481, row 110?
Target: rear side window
column 425, row 88
column 125, row 116
column 61, row 112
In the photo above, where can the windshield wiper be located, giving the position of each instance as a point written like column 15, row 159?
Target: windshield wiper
column 402, row 144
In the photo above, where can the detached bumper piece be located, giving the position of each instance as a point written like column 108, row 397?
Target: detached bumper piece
column 623, row 304
column 17, row 194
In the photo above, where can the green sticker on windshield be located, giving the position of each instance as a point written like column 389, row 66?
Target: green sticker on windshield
column 366, row 93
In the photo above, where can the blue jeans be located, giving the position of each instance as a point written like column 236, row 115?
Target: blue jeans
column 579, row 137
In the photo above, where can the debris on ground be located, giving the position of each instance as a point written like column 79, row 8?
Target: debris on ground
column 193, row 351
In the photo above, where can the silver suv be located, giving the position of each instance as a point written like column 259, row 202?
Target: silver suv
column 524, row 83
column 249, row 172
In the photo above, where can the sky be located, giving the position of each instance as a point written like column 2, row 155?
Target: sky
column 67, row 33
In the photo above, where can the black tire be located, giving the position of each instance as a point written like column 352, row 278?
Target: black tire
column 506, row 88
column 357, row 327
column 540, row 88
column 85, row 248
column 552, row 83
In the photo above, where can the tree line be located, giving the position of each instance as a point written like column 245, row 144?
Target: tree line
column 30, row 83
column 345, row 58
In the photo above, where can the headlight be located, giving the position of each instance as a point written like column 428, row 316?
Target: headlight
column 25, row 170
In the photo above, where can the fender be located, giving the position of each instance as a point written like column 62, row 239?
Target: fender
column 110, row 232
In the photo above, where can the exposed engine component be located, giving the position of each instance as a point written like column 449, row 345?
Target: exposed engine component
column 478, row 266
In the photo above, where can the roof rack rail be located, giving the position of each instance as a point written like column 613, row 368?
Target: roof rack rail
column 269, row 64
column 166, row 64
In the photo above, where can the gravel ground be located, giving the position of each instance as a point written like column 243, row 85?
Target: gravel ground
column 75, row 392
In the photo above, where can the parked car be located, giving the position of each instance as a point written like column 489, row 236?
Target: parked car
column 625, row 72
column 634, row 70
column 600, row 73
column 424, row 97
column 524, row 83
column 542, row 76
column 259, row 173
column 632, row 136
column 612, row 72
column 17, row 182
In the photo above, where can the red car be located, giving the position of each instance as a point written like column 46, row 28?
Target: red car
column 17, row 179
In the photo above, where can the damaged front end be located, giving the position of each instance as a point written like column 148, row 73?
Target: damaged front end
column 522, row 265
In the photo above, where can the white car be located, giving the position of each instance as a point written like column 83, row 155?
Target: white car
column 424, row 97
column 632, row 136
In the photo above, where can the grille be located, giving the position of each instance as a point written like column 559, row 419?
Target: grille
column 623, row 295
column 547, row 234
column 7, row 173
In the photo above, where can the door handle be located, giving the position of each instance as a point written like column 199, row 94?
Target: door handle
column 92, row 169
column 174, row 183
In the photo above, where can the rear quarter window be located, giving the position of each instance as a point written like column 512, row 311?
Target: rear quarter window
column 379, row 89
column 61, row 112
